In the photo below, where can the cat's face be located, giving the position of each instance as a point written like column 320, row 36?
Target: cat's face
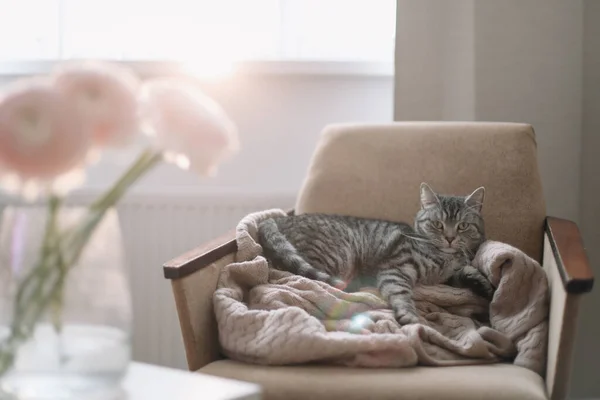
column 452, row 223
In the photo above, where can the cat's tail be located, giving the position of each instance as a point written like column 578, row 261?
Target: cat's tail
column 281, row 254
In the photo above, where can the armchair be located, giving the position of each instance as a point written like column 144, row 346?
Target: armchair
column 375, row 171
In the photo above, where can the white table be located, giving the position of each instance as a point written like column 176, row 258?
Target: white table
column 150, row 382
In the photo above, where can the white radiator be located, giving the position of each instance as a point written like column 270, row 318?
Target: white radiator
column 157, row 228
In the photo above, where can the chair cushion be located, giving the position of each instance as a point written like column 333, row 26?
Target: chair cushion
column 489, row 382
column 374, row 171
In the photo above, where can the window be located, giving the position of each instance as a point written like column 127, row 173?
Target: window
column 198, row 30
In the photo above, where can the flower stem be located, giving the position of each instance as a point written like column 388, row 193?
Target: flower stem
column 58, row 299
column 79, row 237
column 27, row 300
column 145, row 161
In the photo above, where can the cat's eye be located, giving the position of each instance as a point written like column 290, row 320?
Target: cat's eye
column 463, row 226
column 438, row 225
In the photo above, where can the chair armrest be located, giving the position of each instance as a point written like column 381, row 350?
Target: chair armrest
column 200, row 257
column 194, row 278
column 569, row 276
column 568, row 250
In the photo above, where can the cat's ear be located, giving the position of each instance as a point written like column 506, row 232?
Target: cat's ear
column 475, row 199
column 428, row 196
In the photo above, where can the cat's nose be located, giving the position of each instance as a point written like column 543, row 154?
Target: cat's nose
column 450, row 239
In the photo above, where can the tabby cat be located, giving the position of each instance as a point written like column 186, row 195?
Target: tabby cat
column 339, row 249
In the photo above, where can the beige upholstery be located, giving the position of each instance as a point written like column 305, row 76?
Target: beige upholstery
column 491, row 382
column 375, row 171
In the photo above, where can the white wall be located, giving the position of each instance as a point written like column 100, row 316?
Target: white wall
column 528, row 69
column 419, row 87
column 509, row 60
column 279, row 118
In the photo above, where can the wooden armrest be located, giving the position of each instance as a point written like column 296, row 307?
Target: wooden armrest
column 202, row 256
column 569, row 253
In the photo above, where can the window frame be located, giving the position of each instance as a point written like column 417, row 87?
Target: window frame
column 271, row 68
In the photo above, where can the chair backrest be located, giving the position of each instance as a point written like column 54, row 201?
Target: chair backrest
column 375, row 171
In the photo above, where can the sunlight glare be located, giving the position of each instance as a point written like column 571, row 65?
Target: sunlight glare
column 182, row 162
column 210, row 67
column 360, row 322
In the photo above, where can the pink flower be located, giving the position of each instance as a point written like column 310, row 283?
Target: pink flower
column 40, row 136
column 106, row 97
column 191, row 128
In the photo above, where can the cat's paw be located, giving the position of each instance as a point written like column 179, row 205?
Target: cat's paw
column 489, row 290
column 479, row 285
column 405, row 317
column 484, row 289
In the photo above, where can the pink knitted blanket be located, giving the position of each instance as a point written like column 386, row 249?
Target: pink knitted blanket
column 272, row 317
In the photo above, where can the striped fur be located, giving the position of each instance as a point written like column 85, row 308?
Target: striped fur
column 343, row 250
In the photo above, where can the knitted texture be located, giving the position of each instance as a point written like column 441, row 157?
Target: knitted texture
column 267, row 316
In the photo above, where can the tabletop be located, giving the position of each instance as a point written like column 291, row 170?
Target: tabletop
column 151, row 382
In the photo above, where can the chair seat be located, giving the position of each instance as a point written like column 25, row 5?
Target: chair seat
column 489, row 382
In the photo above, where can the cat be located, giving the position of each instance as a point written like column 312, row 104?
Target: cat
column 338, row 249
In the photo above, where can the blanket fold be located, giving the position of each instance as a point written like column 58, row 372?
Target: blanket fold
column 267, row 316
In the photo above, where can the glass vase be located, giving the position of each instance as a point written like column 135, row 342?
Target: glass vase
column 78, row 346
